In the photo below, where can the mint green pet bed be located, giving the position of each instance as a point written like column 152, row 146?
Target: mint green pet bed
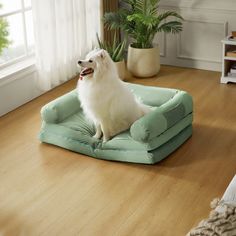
column 149, row 140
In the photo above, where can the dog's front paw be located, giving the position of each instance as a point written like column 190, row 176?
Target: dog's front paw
column 97, row 136
column 105, row 139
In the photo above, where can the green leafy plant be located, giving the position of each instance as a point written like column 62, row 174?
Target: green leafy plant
column 4, row 42
column 115, row 49
column 141, row 20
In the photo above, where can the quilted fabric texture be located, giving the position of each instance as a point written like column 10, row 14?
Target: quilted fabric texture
column 149, row 140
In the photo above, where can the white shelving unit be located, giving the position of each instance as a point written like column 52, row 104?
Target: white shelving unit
column 227, row 61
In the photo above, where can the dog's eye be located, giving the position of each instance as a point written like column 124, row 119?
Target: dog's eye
column 90, row 61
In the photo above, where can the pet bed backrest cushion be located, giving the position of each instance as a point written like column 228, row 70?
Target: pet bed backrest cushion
column 152, row 96
column 162, row 118
column 61, row 108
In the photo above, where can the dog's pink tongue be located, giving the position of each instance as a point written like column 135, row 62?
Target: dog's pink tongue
column 86, row 71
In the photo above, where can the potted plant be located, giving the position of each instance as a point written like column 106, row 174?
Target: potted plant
column 116, row 52
column 140, row 20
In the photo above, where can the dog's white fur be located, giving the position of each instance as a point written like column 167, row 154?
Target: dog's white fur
column 105, row 99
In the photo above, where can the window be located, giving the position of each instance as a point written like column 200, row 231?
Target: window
column 18, row 15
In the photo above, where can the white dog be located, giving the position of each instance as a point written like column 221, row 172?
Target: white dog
column 105, row 99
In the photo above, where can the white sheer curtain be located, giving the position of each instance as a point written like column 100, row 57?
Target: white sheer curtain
column 64, row 31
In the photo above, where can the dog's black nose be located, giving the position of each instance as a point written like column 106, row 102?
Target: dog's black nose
column 79, row 62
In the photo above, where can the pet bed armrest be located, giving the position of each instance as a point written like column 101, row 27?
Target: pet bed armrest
column 61, row 108
column 162, row 118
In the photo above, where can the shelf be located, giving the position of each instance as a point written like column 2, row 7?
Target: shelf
column 229, row 42
column 230, row 58
column 226, row 79
column 227, row 62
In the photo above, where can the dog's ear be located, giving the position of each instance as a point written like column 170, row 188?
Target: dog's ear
column 102, row 54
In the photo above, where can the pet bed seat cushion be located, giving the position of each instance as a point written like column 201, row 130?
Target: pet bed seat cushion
column 149, row 140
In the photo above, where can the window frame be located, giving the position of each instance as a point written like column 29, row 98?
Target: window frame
column 27, row 54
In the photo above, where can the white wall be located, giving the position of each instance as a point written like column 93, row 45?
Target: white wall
column 19, row 89
column 206, row 23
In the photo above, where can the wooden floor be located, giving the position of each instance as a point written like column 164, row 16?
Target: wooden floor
column 46, row 190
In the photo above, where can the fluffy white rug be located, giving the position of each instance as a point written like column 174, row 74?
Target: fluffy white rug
column 222, row 220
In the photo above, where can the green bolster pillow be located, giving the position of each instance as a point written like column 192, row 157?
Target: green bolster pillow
column 148, row 126
column 162, row 118
column 61, row 108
